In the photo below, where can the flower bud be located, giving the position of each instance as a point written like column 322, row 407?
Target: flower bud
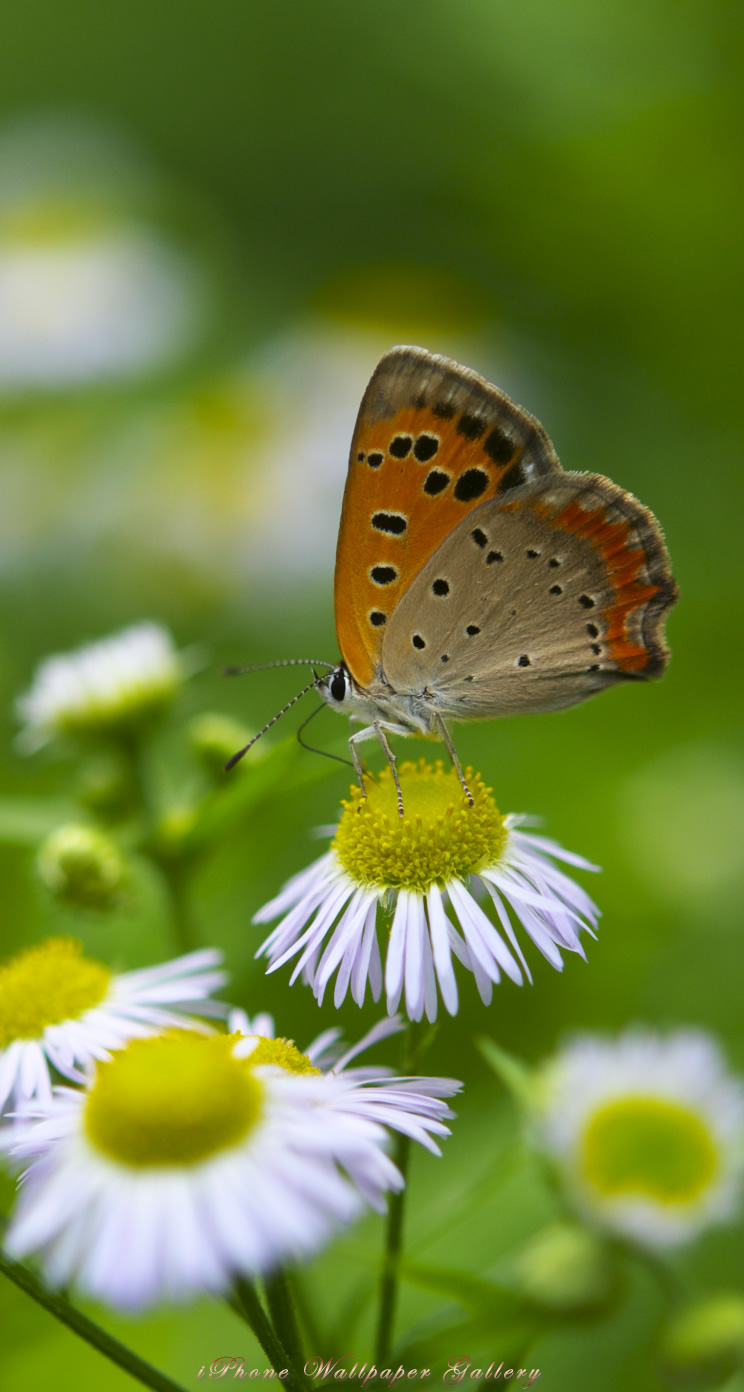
column 703, row 1346
column 173, row 833
column 566, row 1268
column 82, row 868
column 214, row 739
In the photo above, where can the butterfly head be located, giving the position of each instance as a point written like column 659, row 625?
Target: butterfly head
column 337, row 690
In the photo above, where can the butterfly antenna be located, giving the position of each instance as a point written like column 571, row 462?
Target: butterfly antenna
column 237, row 757
column 311, row 747
column 281, row 662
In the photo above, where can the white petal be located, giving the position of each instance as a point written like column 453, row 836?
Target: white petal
column 438, row 925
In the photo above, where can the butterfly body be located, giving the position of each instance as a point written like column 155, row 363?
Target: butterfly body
column 474, row 577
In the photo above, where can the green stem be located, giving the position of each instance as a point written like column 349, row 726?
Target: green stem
column 306, row 1315
column 391, row 1260
column 66, row 1313
column 414, row 1043
column 667, row 1279
column 132, row 749
column 283, row 1312
column 176, row 875
column 247, row 1304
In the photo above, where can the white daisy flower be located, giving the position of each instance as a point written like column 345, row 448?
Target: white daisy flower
column 61, row 1009
column 94, row 288
column 442, row 854
column 82, row 304
column 646, row 1132
column 104, row 688
column 190, row 1159
column 410, row 1105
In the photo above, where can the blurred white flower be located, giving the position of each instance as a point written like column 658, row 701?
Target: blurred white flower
column 91, row 307
column 92, row 289
column 646, row 1132
column 103, row 688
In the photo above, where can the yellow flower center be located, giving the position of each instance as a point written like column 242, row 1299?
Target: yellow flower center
column 47, row 985
column 176, row 1099
column 649, row 1147
column 281, row 1051
column 439, row 838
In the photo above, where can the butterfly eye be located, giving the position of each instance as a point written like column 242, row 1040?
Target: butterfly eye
column 338, row 686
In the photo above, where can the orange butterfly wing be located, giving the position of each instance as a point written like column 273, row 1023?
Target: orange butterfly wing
column 432, row 441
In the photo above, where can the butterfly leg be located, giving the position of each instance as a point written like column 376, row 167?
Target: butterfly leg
column 358, row 767
column 389, row 755
column 453, row 756
column 376, row 729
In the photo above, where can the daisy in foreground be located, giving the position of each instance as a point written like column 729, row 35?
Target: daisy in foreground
column 191, row 1159
column 105, row 688
column 61, row 1008
column 646, row 1133
column 416, row 868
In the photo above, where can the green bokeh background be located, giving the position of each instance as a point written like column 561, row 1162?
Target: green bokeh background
column 558, row 186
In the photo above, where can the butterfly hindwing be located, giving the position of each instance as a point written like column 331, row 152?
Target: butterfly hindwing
column 539, row 598
column 433, row 442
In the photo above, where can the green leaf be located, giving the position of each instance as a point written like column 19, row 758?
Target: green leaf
column 26, row 821
column 513, row 1072
column 439, row 1339
column 278, row 770
column 473, row 1292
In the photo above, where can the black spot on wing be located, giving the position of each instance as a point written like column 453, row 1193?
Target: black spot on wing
column 479, row 537
column 498, row 446
column 400, row 446
column 425, row 448
column 391, row 522
column 471, row 427
column 512, row 478
column 377, row 618
column 375, row 459
column 470, row 485
column 440, row 587
column 443, row 410
column 435, row 482
column 418, row 641
column 383, row 574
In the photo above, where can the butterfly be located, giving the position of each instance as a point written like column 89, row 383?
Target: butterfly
column 474, row 577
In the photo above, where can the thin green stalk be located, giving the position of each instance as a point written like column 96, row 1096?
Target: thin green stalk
column 414, row 1043
column 247, row 1304
column 85, row 1328
column 283, row 1312
column 306, row 1314
column 176, row 875
column 391, row 1261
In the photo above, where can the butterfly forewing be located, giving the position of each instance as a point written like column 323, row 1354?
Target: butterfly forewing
column 539, row 598
column 433, row 443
